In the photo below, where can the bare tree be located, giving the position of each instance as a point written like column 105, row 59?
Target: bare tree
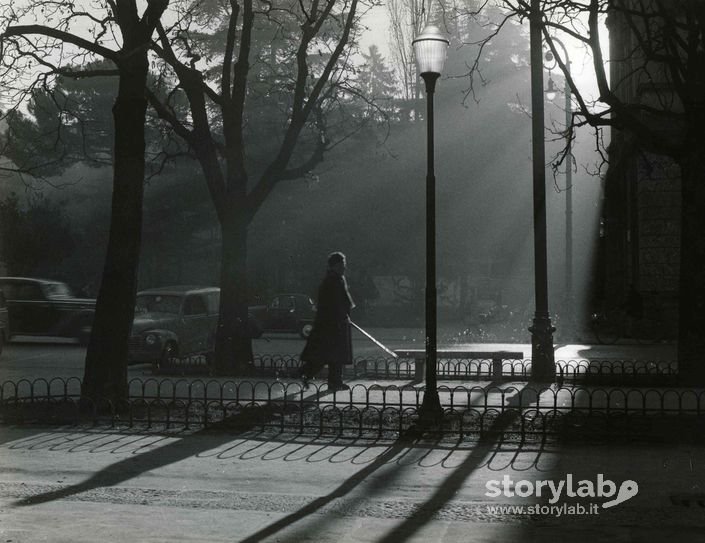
column 32, row 54
column 223, row 56
column 406, row 20
column 652, row 94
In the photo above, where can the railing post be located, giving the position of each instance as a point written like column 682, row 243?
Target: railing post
column 419, row 369
column 496, row 368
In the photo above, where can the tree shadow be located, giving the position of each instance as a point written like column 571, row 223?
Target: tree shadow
column 185, row 447
column 195, row 443
column 188, row 446
column 345, row 488
column 490, row 440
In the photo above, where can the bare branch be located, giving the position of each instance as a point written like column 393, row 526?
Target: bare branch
column 66, row 37
column 229, row 49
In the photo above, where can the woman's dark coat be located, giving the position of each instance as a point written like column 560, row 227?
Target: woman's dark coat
column 330, row 340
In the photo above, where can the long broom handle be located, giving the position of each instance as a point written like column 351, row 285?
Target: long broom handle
column 373, row 340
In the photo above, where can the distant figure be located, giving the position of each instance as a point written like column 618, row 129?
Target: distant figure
column 330, row 341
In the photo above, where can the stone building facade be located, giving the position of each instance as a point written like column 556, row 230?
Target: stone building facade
column 640, row 234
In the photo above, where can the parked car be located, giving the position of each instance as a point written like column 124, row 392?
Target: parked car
column 4, row 325
column 42, row 307
column 286, row 313
column 173, row 321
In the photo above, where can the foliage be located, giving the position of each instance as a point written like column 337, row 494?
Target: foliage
column 69, row 121
column 64, row 124
column 43, row 40
column 36, row 235
column 378, row 84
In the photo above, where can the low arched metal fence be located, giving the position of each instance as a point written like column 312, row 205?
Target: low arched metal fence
column 453, row 368
column 524, row 409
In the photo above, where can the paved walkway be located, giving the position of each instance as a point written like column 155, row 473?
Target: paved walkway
column 87, row 485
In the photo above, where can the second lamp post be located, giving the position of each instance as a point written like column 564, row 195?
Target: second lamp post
column 551, row 95
column 430, row 49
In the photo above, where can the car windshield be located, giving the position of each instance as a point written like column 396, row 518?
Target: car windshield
column 158, row 303
column 56, row 290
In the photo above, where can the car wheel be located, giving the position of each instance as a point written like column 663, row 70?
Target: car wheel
column 168, row 354
column 305, row 329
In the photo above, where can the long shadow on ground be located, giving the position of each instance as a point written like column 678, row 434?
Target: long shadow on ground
column 425, row 513
column 345, row 488
column 492, row 439
column 171, row 453
column 194, row 444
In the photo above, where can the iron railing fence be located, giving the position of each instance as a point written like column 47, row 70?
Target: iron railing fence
column 367, row 409
column 490, row 396
column 604, row 371
column 598, row 371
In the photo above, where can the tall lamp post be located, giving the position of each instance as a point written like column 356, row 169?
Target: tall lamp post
column 551, row 95
column 430, row 49
column 543, row 365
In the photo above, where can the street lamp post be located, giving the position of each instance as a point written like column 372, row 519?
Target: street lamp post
column 543, row 366
column 551, row 94
column 430, row 49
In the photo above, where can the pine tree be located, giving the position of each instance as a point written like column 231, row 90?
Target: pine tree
column 378, row 84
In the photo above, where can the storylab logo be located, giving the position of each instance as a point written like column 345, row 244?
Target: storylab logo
column 556, row 491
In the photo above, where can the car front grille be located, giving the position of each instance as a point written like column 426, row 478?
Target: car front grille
column 137, row 351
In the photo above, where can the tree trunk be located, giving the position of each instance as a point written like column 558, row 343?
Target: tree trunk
column 233, row 353
column 691, row 340
column 105, row 374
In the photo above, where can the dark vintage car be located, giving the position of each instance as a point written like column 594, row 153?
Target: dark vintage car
column 42, row 307
column 286, row 313
column 171, row 322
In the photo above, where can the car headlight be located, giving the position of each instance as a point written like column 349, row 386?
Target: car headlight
column 151, row 339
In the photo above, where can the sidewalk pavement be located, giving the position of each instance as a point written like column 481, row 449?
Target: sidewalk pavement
column 86, row 485
column 80, row 484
